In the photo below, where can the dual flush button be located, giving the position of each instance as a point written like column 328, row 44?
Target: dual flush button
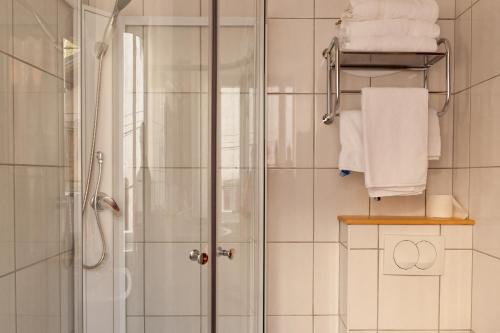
column 413, row 255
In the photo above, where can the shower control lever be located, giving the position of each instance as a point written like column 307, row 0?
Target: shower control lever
column 225, row 253
column 198, row 256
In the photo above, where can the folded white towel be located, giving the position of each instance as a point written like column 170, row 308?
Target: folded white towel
column 395, row 138
column 364, row 10
column 396, row 27
column 351, row 155
column 434, row 135
column 390, row 44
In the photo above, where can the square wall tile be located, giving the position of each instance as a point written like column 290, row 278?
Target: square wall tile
column 484, row 134
column 290, row 9
column 7, row 263
column 8, row 303
column 461, row 138
column 290, row 324
column 399, row 206
column 172, row 8
column 326, row 278
column 135, row 324
column 485, row 54
column 446, row 9
column 172, row 282
column 290, row 72
column 455, row 290
column 37, row 202
column 290, row 131
column 326, row 324
column 362, row 236
column 34, row 43
column 484, row 208
column 228, row 8
column 330, row 9
column 173, row 207
column 6, row 26
column 457, row 236
column 407, row 302
column 37, row 298
column 463, row 51
column 333, row 196
column 290, row 205
column 439, row 181
column 486, row 295
column 36, row 116
column 286, row 295
column 6, row 110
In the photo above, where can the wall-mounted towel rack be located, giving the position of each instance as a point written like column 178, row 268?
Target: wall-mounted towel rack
column 337, row 60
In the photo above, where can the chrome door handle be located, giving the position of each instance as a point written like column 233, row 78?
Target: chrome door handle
column 225, row 253
column 198, row 256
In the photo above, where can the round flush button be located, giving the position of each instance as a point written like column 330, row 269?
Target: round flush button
column 406, row 254
column 428, row 255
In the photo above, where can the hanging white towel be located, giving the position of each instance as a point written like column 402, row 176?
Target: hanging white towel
column 351, row 155
column 364, row 10
column 395, row 137
column 390, row 44
column 396, row 27
column 434, row 136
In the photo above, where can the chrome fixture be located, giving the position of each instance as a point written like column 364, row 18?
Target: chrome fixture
column 225, row 253
column 337, row 60
column 198, row 256
column 101, row 49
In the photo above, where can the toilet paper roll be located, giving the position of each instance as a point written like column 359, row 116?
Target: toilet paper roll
column 444, row 206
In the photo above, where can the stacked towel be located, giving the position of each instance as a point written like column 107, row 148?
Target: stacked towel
column 390, row 25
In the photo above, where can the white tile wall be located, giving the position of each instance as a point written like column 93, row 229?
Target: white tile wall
column 486, row 294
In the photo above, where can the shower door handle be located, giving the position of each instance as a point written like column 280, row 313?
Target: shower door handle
column 198, row 256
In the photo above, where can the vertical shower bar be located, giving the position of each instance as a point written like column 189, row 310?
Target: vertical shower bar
column 213, row 167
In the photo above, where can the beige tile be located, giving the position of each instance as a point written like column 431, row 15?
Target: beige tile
column 172, row 8
column 446, row 9
column 68, row 291
column 437, row 74
column 333, row 196
column 105, row 5
column 326, row 278
column 290, row 8
column 461, row 144
column 173, row 130
column 286, row 295
column 484, row 135
column 135, row 324
column 439, row 181
column 324, row 30
column 399, row 79
column 290, row 205
column 37, row 298
column 37, row 214
column 485, row 54
column 174, row 323
column 36, row 117
column 173, row 208
column 457, row 236
column 343, row 285
column 236, row 275
column 8, row 304
column 172, row 282
column 290, row 131
column 231, row 8
column 65, row 34
column 6, row 111
column 408, row 302
column 461, row 187
column 229, row 324
column 290, row 324
column 461, row 6
column 330, row 9
column 173, row 58
column 6, row 220
column 134, row 262
column 399, row 206
column 463, row 49
column 363, row 236
column 484, row 208
column 36, row 43
column 326, row 324
column 290, row 72
column 486, row 294
column 362, row 289
column 134, row 8
column 446, row 125
column 456, row 284
column 6, row 26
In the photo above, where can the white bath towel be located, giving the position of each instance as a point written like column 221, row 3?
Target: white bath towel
column 396, row 27
column 434, row 136
column 351, row 155
column 395, row 137
column 364, row 10
column 390, row 44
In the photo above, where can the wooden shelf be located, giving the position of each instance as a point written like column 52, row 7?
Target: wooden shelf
column 402, row 220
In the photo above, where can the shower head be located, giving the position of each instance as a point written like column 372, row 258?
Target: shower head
column 102, row 46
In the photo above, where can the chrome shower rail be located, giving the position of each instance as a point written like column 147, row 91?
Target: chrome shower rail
column 337, row 60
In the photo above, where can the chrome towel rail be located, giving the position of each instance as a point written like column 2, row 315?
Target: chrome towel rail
column 337, row 60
